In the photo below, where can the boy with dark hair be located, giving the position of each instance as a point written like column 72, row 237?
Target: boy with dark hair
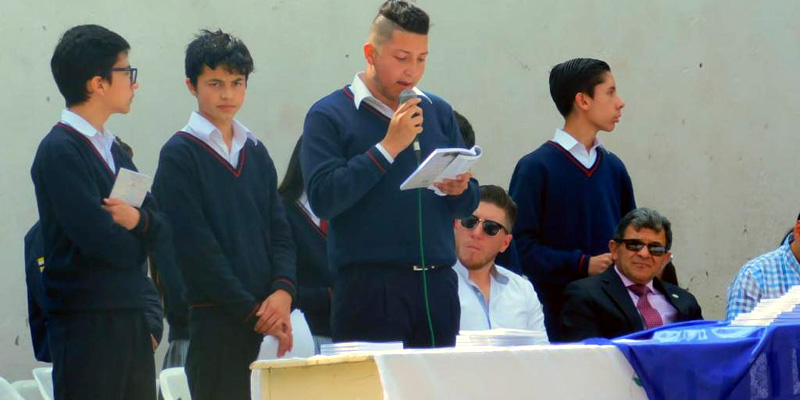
column 571, row 191
column 218, row 186
column 95, row 247
column 355, row 154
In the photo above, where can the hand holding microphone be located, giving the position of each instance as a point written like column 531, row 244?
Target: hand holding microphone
column 406, row 124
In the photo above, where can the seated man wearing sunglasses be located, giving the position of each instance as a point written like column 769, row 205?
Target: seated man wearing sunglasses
column 629, row 297
column 491, row 296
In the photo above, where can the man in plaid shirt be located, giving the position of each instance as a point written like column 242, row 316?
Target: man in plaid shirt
column 766, row 277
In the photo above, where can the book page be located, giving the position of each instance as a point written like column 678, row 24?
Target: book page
column 131, row 187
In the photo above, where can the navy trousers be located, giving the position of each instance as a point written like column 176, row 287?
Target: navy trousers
column 102, row 355
column 386, row 303
column 221, row 349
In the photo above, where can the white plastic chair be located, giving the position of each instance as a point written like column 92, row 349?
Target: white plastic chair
column 28, row 389
column 44, row 377
column 174, row 384
column 303, row 348
column 7, row 391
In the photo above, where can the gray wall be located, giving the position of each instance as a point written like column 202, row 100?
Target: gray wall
column 707, row 134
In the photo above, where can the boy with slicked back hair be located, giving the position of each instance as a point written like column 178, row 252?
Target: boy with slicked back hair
column 571, row 191
column 95, row 246
column 356, row 152
column 218, row 186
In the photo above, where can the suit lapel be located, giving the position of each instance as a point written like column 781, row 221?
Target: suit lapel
column 674, row 298
column 618, row 293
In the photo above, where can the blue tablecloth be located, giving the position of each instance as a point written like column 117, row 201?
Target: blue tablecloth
column 713, row 360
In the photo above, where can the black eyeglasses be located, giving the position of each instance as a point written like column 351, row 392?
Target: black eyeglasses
column 656, row 249
column 490, row 228
column 132, row 70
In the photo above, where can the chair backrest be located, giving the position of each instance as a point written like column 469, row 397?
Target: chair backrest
column 174, row 384
column 44, row 377
column 7, row 391
column 28, row 389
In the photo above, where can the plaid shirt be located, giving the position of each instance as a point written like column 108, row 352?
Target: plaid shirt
column 765, row 277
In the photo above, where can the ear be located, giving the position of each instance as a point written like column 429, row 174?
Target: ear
column 369, row 53
column 506, row 243
column 667, row 258
column 192, row 89
column 455, row 223
column 96, row 85
column 582, row 101
column 612, row 248
column 797, row 232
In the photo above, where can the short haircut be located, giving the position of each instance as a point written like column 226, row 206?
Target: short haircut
column 214, row 49
column 498, row 196
column 579, row 75
column 644, row 218
column 397, row 14
column 466, row 129
column 83, row 52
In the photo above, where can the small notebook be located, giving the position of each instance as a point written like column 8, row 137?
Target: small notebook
column 131, row 187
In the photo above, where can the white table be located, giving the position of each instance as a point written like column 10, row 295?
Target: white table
column 526, row 372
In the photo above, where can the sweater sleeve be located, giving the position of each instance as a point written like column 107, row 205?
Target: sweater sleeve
column 333, row 181
column 204, row 267
column 544, row 264
column 628, row 200
column 77, row 206
column 284, row 275
column 463, row 205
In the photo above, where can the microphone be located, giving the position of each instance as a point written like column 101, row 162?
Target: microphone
column 405, row 96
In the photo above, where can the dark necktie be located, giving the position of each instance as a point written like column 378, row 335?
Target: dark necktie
column 650, row 315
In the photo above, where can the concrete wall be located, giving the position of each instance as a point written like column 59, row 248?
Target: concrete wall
column 708, row 133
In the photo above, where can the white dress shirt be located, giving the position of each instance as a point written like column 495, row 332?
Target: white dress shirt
column 576, row 148
column 204, row 130
column 513, row 303
column 102, row 141
column 361, row 93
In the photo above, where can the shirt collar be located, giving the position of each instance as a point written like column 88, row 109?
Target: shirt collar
column 83, row 126
column 568, row 142
column 361, row 91
column 791, row 260
column 627, row 282
column 204, row 128
column 497, row 274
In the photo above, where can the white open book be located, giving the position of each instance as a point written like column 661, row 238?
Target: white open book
column 442, row 164
column 131, row 187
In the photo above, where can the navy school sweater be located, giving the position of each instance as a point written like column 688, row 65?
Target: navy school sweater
column 314, row 276
column 566, row 214
column 232, row 241
column 350, row 183
column 92, row 262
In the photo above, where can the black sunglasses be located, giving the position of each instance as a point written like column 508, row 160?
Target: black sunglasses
column 490, row 228
column 132, row 70
column 656, row 249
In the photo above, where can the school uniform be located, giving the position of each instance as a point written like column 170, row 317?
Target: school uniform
column 233, row 247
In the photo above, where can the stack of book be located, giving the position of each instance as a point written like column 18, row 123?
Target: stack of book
column 500, row 338
column 333, row 349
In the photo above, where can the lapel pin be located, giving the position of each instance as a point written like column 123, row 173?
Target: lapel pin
column 675, row 295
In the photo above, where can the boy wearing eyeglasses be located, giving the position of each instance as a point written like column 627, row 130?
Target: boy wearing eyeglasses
column 571, row 191
column 95, row 246
column 491, row 296
column 628, row 297
column 218, row 186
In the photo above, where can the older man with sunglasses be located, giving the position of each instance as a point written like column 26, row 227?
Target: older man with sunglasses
column 629, row 297
column 491, row 296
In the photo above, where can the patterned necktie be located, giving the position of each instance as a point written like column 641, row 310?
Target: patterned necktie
column 650, row 315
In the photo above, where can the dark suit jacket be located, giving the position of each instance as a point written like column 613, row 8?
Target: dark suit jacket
column 600, row 306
